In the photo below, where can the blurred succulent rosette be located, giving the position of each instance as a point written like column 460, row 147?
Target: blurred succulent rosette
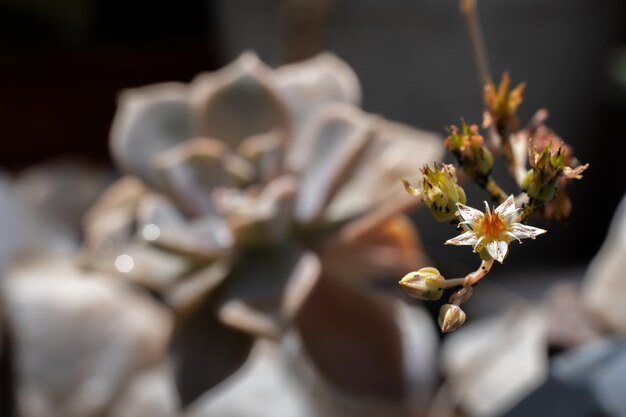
column 261, row 202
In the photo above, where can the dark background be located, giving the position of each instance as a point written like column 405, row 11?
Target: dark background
column 63, row 62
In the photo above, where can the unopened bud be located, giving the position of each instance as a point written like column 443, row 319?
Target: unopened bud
column 451, row 317
column 537, row 186
column 440, row 191
column 425, row 284
column 468, row 146
column 502, row 103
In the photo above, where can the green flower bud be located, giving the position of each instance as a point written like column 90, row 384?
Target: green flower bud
column 425, row 284
column 484, row 162
column 439, row 191
column 468, row 146
column 538, row 186
column 451, row 317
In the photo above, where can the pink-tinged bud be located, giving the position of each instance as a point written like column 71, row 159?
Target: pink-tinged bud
column 425, row 284
column 451, row 317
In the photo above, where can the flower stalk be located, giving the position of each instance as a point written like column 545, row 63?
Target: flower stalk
column 472, row 22
column 490, row 232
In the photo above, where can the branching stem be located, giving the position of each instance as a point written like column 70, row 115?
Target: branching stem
column 471, row 279
column 496, row 192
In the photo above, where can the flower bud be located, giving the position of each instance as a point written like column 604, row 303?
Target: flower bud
column 451, row 317
column 468, row 146
column 538, row 186
column 541, row 181
column 425, row 284
column 502, row 103
column 439, row 191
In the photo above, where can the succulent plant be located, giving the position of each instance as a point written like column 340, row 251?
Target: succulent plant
column 260, row 201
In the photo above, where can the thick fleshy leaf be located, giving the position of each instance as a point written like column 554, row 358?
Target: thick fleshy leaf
column 388, row 250
column 481, row 357
column 110, row 221
column 205, row 352
column 194, row 287
column 122, row 230
column 333, row 142
column 309, row 85
column 263, row 387
column 265, row 288
column 62, row 190
column 604, row 287
column 206, row 238
column 266, row 152
column 238, row 101
column 151, row 393
column 193, row 169
column 140, row 263
column 154, row 212
column 149, row 120
column 162, row 225
column 80, row 338
column 386, row 152
column 420, row 341
column 259, row 219
column 353, row 340
column 7, row 378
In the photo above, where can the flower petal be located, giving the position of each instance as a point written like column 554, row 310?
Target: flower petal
column 467, row 238
column 507, row 208
column 498, row 250
column 523, row 231
column 575, row 173
column 469, row 214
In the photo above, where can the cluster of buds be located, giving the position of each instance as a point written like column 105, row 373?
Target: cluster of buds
column 490, row 232
column 468, row 145
column 541, row 180
column 428, row 284
column 439, row 190
column 552, row 165
column 502, row 104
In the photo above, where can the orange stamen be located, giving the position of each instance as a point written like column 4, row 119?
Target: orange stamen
column 491, row 226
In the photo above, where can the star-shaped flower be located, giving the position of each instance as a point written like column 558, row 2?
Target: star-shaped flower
column 494, row 229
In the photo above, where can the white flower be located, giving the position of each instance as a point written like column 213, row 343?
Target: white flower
column 494, row 229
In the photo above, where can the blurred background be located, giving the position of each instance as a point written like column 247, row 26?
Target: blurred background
column 64, row 62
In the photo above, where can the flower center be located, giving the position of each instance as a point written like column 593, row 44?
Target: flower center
column 491, row 226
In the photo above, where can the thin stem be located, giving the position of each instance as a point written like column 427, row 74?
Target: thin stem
column 468, row 9
column 507, row 150
column 455, row 282
column 471, row 279
column 495, row 191
column 529, row 209
column 305, row 22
